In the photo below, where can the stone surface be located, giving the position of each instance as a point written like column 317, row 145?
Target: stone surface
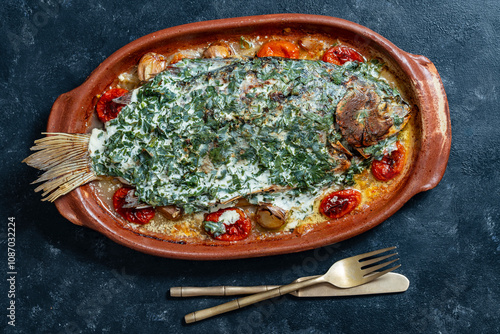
column 73, row 280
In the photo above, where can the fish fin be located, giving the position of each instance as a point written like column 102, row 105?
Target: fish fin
column 65, row 159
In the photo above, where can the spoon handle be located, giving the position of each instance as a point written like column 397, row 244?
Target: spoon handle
column 248, row 300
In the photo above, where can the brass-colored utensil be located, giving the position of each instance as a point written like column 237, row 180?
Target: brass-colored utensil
column 388, row 283
column 346, row 273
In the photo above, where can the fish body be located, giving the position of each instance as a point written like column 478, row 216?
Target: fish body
column 207, row 131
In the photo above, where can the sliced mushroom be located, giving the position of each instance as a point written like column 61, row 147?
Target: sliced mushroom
column 150, row 65
column 270, row 216
column 170, row 211
column 218, row 50
column 271, row 189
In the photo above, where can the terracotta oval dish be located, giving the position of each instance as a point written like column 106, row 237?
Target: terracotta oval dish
column 74, row 112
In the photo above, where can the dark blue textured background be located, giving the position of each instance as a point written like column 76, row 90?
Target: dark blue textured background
column 73, row 280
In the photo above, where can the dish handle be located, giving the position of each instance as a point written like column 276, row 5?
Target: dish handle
column 67, row 208
column 436, row 125
column 62, row 107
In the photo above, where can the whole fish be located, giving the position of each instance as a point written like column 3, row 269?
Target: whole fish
column 205, row 132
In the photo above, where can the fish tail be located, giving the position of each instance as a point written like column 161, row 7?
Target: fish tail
column 65, row 159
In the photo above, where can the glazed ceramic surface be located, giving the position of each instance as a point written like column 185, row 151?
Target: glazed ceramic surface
column 73, row 112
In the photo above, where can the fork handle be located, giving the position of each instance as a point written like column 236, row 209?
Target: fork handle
column 248, row 300
column 194, row 291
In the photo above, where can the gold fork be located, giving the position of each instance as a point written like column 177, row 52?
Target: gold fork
column 346, row 273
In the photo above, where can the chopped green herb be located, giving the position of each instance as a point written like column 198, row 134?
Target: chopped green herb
column 214, row 228
column 209, row 130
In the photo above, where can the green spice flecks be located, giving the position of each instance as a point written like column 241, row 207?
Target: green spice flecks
column 215, row 228
column 207, row 130
column 386, row 146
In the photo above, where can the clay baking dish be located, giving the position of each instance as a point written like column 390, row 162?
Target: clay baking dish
column 72, row 113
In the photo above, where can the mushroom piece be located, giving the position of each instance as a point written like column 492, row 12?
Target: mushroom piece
column 150, row 65
column 217, row 51
column 271, row 189
column 270, row 216
column 170, row 211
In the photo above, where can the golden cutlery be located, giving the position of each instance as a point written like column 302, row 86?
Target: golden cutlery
column 346, row 273
column 388, row 283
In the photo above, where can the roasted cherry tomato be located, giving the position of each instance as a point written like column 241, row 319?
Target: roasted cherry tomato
column 279, row 49
column 340, row 203
column 390, row 165
column 340, row 54
column 106, row 108
column 227, row 224
column 138, row 216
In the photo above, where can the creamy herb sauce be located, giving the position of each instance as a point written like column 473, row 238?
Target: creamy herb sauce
column 206, row 131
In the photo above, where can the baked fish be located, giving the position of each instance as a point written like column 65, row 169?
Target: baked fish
column 206, row 132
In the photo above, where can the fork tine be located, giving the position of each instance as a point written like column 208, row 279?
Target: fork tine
column 366, row 263
column 365, row 255
column 377, row 274
column 367, row 271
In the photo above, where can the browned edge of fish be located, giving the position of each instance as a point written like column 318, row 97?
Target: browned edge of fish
column 73, row 111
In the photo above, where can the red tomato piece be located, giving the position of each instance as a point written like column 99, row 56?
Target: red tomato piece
column 239, row 230
column 282, row 49
column 390, row 165
column 340, row 54
column 106, row 108
column 340, row 203
column 138, row 216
